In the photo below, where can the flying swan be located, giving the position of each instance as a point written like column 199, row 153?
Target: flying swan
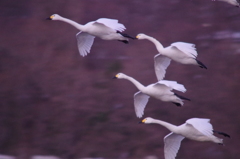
column 161, row 90
column 104, row 28
column 233, row 2
column 198, row 129
column 184, row 53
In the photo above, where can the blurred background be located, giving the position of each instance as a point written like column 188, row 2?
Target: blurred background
column 55, row 102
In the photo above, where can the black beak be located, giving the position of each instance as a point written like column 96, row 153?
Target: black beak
column 114, row 77
column 48, row 18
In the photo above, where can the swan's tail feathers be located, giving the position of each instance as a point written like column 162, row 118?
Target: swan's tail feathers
column 124, row 41
column 177, row 104
column 221, row 133
column 201, row 64
column 126, row 35
column 181, row 97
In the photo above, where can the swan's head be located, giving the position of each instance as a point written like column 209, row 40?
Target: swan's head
column 54, row 17
column 147, row 120
column 119, row 76
column 141, row 36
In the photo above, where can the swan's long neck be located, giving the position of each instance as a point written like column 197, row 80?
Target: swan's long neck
column 71, row 22
column 158, row 45
column 135, row 82
column 169, row 126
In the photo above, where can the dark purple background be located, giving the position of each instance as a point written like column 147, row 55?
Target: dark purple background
column 55, row 102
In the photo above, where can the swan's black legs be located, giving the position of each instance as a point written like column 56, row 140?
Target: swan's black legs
column 221, row 133
column 181, row 97
column 178, row 104
column 201, row 64
column 125, row 35
column 124, row 41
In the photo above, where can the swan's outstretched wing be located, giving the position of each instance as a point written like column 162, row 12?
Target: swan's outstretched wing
column 161, row 63
column 202, row 125
column 186, row 48
column 173, row 85
column 112, row 23
column 84, row 42
column 172, row 144
column 140, row 101
column 233, row 2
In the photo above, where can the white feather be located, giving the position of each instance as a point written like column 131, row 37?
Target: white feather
column 232, row 2
column 112, row 23
column 172, row 143
column 140, row 102
column 202, row 125
column 84, row 43
column 173, row 85
column 160, row 64
column 187, row 48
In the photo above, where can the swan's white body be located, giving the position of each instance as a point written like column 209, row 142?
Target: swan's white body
column 198, row 129
column 233, row 2
column 103, row 28
column 184, row 53
column 161, row 90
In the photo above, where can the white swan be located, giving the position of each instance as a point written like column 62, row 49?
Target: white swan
column 233, row 2
column 104, row 28
column 161, row 90
column 198, row 129
column 184, row 53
